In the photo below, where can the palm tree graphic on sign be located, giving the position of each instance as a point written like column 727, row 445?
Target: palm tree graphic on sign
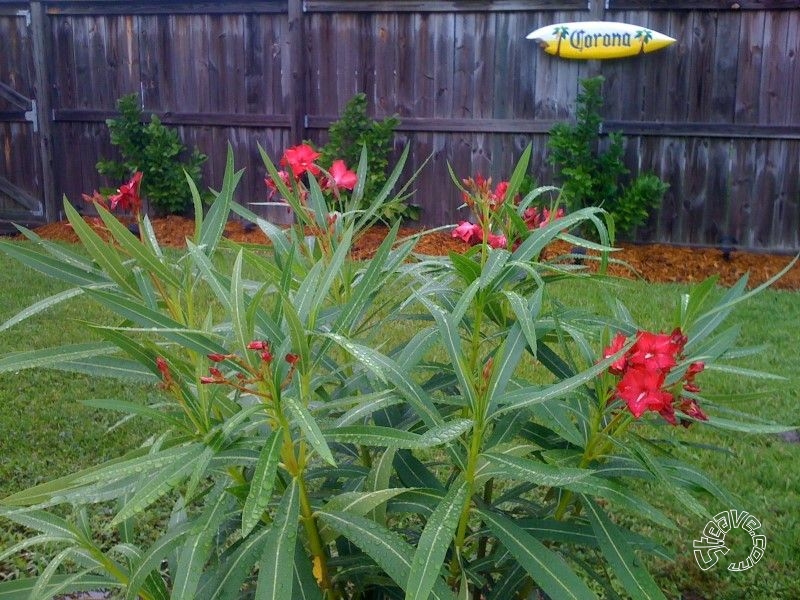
column 560, row 33
column 645, row 35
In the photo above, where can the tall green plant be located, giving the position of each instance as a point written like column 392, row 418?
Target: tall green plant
column 398, row 427
column 154, row 150
column 592, row 169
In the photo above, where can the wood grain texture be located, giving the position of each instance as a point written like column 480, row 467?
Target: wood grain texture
column 716, row 115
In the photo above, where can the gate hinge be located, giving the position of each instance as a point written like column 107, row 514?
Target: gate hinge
column 32, row 116
column 27, row 15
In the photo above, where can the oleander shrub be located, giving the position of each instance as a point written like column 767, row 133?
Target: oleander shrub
column 400, row 427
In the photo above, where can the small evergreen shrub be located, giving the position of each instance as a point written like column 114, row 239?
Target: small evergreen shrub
column 592, row 172
column 156, row 151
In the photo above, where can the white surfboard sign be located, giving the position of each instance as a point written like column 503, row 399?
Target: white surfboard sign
column 598, row 39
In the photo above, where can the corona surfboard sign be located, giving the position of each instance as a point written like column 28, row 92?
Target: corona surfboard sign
column 589, row 40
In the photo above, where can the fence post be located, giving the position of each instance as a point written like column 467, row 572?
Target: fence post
column 297, row 66
column 40, row 39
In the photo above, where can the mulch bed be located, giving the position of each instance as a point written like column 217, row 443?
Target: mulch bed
column 659, row 263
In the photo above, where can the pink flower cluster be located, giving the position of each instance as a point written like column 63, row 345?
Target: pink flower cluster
column 483, row 200
column 643, row 371
column 472, row 234
column 300, row 160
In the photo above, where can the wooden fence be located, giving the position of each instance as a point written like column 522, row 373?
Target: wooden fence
column 717, row 115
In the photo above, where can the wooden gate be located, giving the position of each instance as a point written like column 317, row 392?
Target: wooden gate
column 24, row 163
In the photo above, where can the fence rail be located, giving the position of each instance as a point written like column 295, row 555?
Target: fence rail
column 716, row 115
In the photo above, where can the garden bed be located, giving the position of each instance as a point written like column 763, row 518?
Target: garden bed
column 660, row 263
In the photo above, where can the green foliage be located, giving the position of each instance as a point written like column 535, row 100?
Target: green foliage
column 157, row 152
column 432, row 428
column 355, row 130
column 592, row 169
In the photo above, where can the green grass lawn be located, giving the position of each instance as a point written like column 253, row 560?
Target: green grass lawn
column 45, row 431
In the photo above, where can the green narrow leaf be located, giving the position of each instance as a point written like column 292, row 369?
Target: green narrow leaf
column 226, row 581
column 388, row 370
column 297, row 332
column 41, row 521
column 151, row 560
column 367, row 405
column 214, row 224
column 16, row 589
column 199, row 546
column 241, row 328
column 451, row 340
column 379, row 479
column 140, row 465
column 196, row 340
column 103, row 253
column 53, row 267
column 526, row 312
column 522, row 398
column 262, row 482
column 387, row 548
column 49, row 357
column 357, row 503
column 373, row 435
column 547, row 568
column 310, row 428
column 41, row 306
column 276, row 569
column 158, row 484
column 305, row 585
column 434, row 542
column 367, row 285
column 634, row 577
column 540, row 473
column 493, row 267
column 146, row 258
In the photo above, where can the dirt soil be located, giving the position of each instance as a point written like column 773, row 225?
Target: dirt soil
column 652, row 262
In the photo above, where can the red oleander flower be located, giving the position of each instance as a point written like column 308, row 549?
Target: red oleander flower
column 641, row 390
column 215, row 376
column 266, row 356
column 272, row 187
column 531, row 217
column 291, row 358
column 258, row 345
column 216, row 357
column 498, row 196
column 468, row 232
column 497, row 241
column 655, row 351
column 689, row 384
column 163, row 368
column 643, row 372
column 691, row 408
column 618, row 366
column 300, row 159
column 127, row 196
column 340, row 177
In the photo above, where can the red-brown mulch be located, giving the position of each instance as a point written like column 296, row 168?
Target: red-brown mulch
column 652, row 262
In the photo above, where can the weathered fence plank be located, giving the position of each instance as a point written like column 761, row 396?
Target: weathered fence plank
column 716, row 115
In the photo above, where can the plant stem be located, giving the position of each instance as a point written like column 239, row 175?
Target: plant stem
column 315, row 543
